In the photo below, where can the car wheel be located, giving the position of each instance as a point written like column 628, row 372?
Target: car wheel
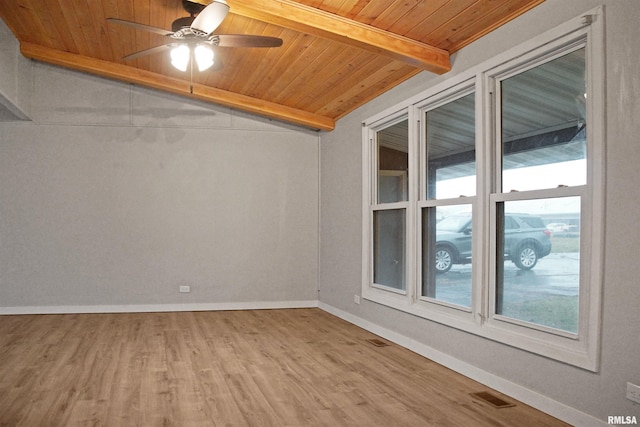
column 526, row 257
column 444, row 259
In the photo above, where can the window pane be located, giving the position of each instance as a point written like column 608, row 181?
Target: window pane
column 446, row 252
column 451, row 154
column 541, row 238
column 389, row 248
column 544, row 126
column 393, row 163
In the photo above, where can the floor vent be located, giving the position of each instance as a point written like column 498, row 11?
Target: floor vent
column 492, row 399
column 377, row 342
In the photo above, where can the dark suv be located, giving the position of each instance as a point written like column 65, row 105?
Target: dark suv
column 526, row 240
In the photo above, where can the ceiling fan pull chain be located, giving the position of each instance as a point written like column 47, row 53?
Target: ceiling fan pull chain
column 191, row 72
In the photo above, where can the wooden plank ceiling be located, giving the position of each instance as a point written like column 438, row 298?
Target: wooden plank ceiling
column 336, row 55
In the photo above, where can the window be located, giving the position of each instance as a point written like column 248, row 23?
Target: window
column 447, row 210
column 483, row 198
column 540, row 182
column 389, row 211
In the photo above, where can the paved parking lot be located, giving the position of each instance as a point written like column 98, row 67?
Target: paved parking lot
column 556, row 274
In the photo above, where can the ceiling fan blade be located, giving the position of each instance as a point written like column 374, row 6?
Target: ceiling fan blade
column 141, row 26
column 149, row 51
column 210, row 17
column 244, row 40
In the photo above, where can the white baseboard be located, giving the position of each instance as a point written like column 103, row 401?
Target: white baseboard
column 518, row 392
column 149, row 308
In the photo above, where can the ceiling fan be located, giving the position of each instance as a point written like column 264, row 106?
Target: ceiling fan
column 192, row 37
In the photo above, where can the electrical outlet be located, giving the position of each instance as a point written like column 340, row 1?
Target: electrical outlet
column 633, row 392
column 356, row 299
column 184, row 289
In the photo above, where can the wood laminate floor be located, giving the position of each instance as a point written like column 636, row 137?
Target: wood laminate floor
column 300, row 367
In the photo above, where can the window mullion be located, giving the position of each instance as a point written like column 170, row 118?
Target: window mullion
column 484, row 160
column 414, row 196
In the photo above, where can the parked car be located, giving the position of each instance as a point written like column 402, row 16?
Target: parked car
column 558, row 227
column 526, row 240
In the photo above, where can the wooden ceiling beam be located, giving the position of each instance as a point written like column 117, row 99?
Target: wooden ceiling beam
column 178, row 86
column 316, row 22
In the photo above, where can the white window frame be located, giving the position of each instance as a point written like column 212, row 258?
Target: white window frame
column 434, row 308
column 393, row 295
column 581, row 349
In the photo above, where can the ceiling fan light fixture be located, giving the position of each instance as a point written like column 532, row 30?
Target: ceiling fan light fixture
column 180, row 57
column 204, row 57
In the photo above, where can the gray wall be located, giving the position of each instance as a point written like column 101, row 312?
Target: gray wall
column 114, row 196
column 597, row 394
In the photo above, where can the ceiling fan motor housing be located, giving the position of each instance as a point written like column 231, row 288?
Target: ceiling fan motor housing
column 181, row 23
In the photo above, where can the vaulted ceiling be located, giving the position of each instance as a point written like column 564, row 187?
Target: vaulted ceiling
column 336, row 54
